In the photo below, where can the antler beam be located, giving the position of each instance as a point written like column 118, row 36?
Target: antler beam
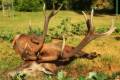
column 91, row 34
column 46, row 22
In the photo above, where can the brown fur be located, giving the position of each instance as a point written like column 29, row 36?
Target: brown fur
column 26, row 46
column 53, row 53
column 27, row 49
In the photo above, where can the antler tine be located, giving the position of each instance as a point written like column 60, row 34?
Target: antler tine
column 53, row 12
column 112, row 28
column 46, row 23
column 58, row 9
column 63, row 45
column 47, row 18
column 91, row 20
column 91, row 35
column 44, row 9
column 85, row 16
column 90, row 23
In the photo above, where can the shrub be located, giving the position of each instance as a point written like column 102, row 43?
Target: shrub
column 67, row 28
column 102, row 29
column 105, row 29
column 61, row 76
column 19, row 76
column 36, row 31
column 117, row 29
column 78, row 29
column 6, row 36
column 64, row 28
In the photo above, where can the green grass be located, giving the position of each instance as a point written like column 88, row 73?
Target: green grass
column 21, row 20
column 108, row 47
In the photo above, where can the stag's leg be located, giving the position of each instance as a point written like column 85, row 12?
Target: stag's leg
column 48, row 55
column 49, row 68
column 47, row 58
column 29, row 57
column 82, row 54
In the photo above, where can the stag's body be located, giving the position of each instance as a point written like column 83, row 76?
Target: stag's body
column 53, row 53
column 28, row 49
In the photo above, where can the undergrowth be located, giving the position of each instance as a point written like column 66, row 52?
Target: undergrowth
column 66, row 28
column 61, row 76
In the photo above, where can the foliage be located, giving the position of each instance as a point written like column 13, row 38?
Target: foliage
column 97, row 76
column 102, row 4
column 61, row 76
column 117, row 29
column 114, row 75
column 105, row 29
column 19, row 76
column 28, row 5
column 78, row 29
column 36, row 5
column 67, row 28
column 36, row 31
column 63, row 29
column 6, row 36
column 102, row 29
column 91, row 76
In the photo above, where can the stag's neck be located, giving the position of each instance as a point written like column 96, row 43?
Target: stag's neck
column 41, row 43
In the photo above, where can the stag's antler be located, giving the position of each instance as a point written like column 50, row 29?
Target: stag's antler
column 46, row 22
column 91, row 34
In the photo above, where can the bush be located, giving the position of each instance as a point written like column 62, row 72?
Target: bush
column 6, row 36
column 28, row 5
column 105, row 29
column 36, row 31
column 102, row 29
column 117, row 29
column 78, row 29
column 67, row 28
column 64, row 28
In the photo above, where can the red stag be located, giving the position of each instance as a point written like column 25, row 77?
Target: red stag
column 32, row 47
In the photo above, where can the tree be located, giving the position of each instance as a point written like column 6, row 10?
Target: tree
column 102, row 4
column 6, row 5
column 28, row 5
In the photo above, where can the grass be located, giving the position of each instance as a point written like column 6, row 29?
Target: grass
column 21, row 20
column 108, row 47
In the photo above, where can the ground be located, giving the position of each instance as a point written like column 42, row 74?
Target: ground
column 108, row 47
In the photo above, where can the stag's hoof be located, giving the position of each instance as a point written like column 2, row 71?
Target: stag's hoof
column 90, row 56
column 93, row 55
column 117, row 38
